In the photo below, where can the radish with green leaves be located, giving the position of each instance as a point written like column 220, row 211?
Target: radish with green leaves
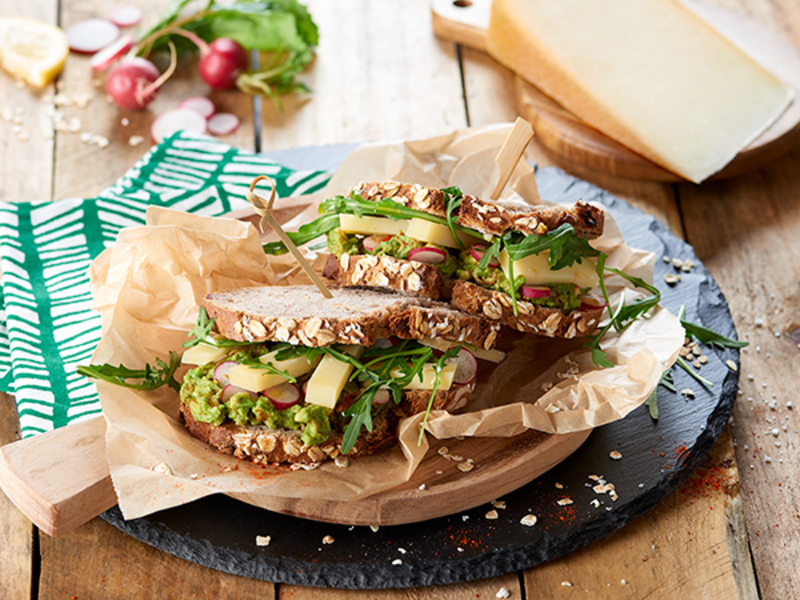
column 221, row 61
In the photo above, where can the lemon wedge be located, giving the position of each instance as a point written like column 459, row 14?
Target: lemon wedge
column 32, row 50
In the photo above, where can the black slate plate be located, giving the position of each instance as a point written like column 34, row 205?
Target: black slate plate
column 219, row 532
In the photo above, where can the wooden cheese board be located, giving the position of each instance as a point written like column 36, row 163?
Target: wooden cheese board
column 582, row 149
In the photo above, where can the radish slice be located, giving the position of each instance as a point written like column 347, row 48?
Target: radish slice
column 230, row 390
column 200, row 105
column 426, row 254
column 591, row 302
column 283, row 396
column 477, row 252
column 221, row 374
column 466, row 367
column 382, row 396
column 126, row 16
column 91, row 35
column 109, row 55
column 177, row 119
column 223, row 124
column 535, row 291
column 372, row 242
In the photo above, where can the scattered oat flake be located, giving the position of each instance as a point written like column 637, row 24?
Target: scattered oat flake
column 615, row 455
column 613, row 495
column 687, row 392
column 559, row 486
column 595, row 502
column 566, row 584
column 456, row 458
column 502, row 593
column 135, row 140
column 263, row 540
column 465, row 467
column 492, row 514
column 327, row 539
column 501, row 504
column 732, row 365
column 443, row 450
column 672, row 279
column 529, row 520
column 422, row 487
column 162, row 468
column 373, row 527
column 397, row 561
column 402, row 550
column 564, row 501
column 194, row 475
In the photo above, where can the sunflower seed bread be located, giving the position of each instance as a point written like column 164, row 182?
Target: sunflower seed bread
column 531, row 318
column 300, row 315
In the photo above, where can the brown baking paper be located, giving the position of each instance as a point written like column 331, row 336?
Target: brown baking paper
column 148, row 287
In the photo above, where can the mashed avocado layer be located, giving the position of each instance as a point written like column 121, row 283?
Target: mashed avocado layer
column 203, row 396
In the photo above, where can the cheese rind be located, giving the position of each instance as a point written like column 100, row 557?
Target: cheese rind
column 647, row 73
column 536, row 270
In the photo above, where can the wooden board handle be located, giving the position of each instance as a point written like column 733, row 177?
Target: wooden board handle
column 60, row 479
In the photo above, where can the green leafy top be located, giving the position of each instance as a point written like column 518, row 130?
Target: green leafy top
column 147, row 379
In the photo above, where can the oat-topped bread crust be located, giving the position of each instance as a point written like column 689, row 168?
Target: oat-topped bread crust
column 263, row 446
column 497, row 217
column 541, row 320
column 385, row 272
column 412, row 195
column 300, row 315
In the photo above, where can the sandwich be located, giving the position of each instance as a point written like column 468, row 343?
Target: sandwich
column 283, row 375
column 528, row 267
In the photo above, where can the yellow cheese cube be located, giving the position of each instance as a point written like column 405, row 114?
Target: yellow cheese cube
column 434, row 233
column 494, row 356
column 329, row 378
column 202, row 354
column 255, row 379
column 429, row 378
column 371, row 225
column 536, row 271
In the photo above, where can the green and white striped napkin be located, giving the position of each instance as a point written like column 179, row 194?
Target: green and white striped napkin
column 46, row 325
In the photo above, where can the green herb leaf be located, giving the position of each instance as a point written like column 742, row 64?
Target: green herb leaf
column 305, row 234
column 267, row 366
column 564, row 245
column 710, row 337
column 652, row 399
column 201, row 330
column 685, row 366
column 149, row 378
column 454, row 199
column 492, row 252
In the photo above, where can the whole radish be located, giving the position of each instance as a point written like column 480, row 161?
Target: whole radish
column 132, row 83
column 221, row 61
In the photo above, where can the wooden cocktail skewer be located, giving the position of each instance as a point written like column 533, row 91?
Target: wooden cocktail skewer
column 510, row 153
column 264, row 209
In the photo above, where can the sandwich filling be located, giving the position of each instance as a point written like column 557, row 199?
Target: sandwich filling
column 317, row 391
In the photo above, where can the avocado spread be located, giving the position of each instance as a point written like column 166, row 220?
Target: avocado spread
column 203, row 396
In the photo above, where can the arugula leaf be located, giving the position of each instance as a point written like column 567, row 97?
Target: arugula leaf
column 149, row 378
column 710, row 337
column 652, row 400
column 361, row 416
column 685, row 366
column 492, row 252
column 564, row 245
column 267, row 366
column 454, row 199
column 201, row 330
column 305, row 233
column 512, row 285
column 437, row 368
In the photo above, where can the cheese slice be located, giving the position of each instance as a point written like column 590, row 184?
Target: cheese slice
column 329, row 378
column 202, row 354
column 434, row 233
column 429, row 378
column 536, row 270
column 493, row 355
column 371, row 225
column 647, row 73
column 256, row 379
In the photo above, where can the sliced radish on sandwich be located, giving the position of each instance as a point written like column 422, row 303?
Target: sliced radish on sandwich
column 111, row 53
column 230, row 390
column 222, row 372
column 426, row 254
column 91, row 35
column 223, row 124
column 535, row 291
column 126, row 16
column 466, row 367
column 200, row 105
column 477, row 252
column 283, row 396
column 591, row 302
column 382, row 396
column 177, row 119
column 372, row 242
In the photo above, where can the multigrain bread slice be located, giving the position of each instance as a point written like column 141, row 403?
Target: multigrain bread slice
column 411, row 195
column 387, row 273
column 530, row 318
column 300, row 315
column 497, row 217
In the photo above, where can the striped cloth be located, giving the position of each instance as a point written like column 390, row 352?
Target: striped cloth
column 46, row 325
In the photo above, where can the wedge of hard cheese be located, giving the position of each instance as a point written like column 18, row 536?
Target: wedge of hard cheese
column 647, row 73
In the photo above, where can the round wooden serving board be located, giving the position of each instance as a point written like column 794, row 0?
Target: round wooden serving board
column 582, row 149
column 219, row 532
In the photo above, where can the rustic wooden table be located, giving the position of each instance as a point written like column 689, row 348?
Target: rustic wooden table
column 731, row 531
